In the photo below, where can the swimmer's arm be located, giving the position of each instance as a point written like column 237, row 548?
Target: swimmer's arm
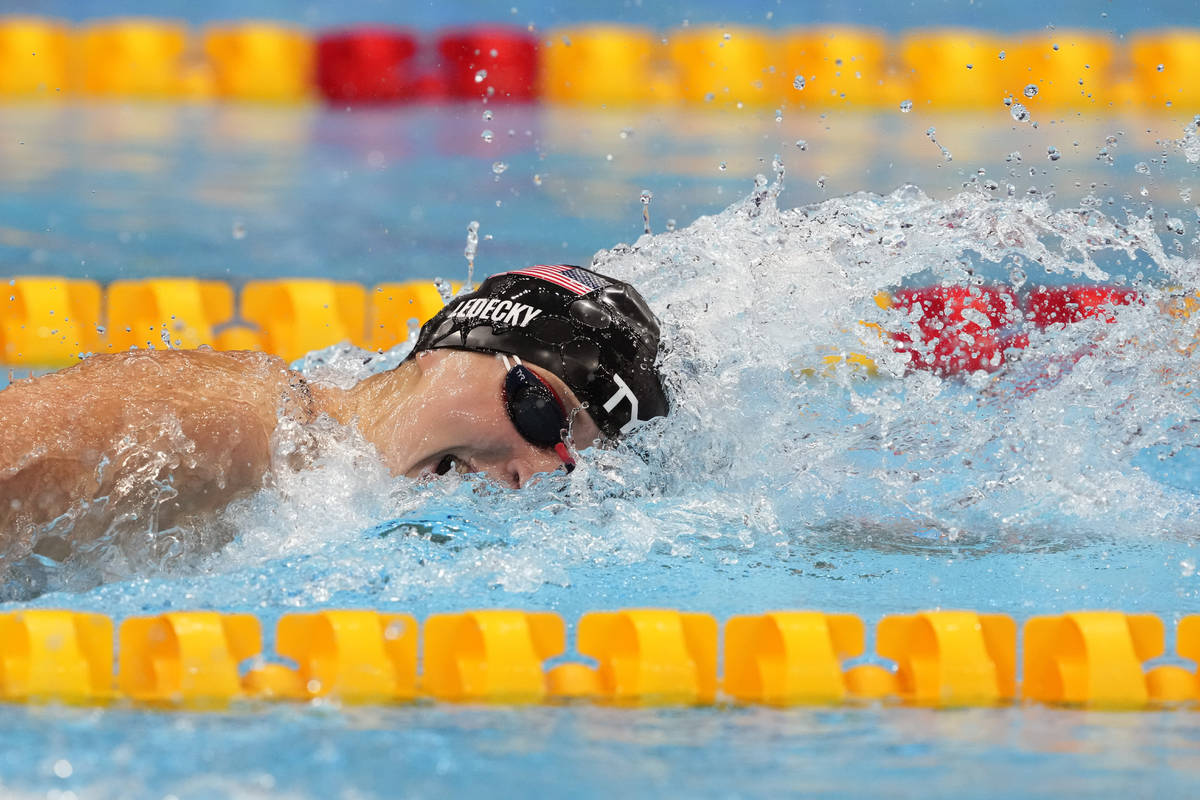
column 120, row 427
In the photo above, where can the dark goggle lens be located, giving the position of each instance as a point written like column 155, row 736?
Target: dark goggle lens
column 533, row 407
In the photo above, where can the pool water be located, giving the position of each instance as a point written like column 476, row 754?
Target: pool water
column 1066, row 480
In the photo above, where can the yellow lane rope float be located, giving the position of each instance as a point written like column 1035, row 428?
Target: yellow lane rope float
column 52, row 321
column 602, row 65
column 644, row 656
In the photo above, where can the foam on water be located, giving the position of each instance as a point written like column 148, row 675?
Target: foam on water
column 754, row 292
column 1089, row 432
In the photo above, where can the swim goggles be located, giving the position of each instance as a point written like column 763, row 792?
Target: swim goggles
column 535, row 409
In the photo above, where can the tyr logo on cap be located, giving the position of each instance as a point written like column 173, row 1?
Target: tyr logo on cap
column 624, row 392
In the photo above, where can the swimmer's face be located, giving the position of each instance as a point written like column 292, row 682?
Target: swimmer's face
column 456, row 419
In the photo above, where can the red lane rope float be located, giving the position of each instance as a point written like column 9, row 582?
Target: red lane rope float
column 962, row 328
column 367, row 65
column 969, row 328
column 493, row 63
column 1047, row 306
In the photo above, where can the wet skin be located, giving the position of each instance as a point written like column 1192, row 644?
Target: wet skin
column 160, row 436
column 449, row 403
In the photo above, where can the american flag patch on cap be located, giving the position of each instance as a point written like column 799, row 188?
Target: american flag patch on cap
column 574, row 279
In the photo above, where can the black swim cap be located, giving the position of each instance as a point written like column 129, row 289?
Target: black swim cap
column 594, row 332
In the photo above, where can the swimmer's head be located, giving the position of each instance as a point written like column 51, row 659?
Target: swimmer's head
column 593, row 332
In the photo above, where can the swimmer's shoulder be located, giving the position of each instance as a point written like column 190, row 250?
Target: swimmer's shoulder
column 156, row 362
column 233, row 375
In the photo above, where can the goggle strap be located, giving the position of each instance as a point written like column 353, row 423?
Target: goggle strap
column 565, row 455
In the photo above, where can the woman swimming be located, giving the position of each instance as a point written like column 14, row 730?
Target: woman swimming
column 498, row 383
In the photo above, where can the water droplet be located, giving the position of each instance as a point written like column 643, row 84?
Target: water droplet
column 722, row 166
column 480, row 75
column 498, row 167
column 487, row 136
column 1159, row 68
column 1052, row 153
column 487, row 115
column 646, row 196
column 493, row 52
column 798, row 83
column 931, row 132
column 970, row 66
column 1001, row 56
column 1054, row 47
column 63, row 769
column 801, row 144
column 727, row 37
column 906, row 106
column 1141, row 168
column 537, row 179
column 626, row 133
column 1030, row 90
column 239, row 230
column 469, row 252
column 1019, row 112
column 821, row 181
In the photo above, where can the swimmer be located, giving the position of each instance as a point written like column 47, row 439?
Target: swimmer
column 499, row 382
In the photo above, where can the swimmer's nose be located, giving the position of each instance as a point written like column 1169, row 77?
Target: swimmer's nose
column 519, row 471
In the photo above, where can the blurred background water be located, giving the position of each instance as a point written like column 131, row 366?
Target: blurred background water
column 110, row 190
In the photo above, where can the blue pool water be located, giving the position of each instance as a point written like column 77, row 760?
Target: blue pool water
column 1019, row 16
column 765, row 489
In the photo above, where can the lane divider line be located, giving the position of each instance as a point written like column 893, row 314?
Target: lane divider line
column 630, row 657
column 600, row 65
